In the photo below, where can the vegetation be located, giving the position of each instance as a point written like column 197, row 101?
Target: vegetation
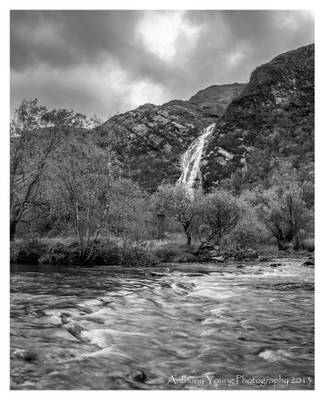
column 220, row 211
column 177, row 203
column 66, row 181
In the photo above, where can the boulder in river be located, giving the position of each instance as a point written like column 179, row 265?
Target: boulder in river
column 25, row 355
column 140, row 376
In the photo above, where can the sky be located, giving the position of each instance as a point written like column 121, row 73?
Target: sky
column 106, row 62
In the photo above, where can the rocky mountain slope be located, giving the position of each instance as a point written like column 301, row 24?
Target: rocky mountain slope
column 151, row 139
column 214, row 100
column 271, row 120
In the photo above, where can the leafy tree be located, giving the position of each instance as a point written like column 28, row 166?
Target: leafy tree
column 285, row 214
column 249, row 231
column 221, row 212
column 177, row 203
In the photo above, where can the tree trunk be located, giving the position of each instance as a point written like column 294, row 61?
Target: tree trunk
column 188, row 239
column 13, row 226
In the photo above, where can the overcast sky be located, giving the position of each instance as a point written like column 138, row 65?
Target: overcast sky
column 104, row 62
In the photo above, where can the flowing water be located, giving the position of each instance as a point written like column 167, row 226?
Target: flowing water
column 191, row 175
column 207, row 326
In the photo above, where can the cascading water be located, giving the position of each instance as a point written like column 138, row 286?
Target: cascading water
column 191, row 174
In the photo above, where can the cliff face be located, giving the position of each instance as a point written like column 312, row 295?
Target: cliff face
column 151, row 139
column 273, row 118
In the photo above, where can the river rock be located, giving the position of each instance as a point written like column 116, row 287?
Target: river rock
column 25, row 355
column 140, row 376
column 218, row 259
column 74, row 329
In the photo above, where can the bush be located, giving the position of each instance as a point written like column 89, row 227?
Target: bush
column 219, row 213
column 106, row 253
column 100, row 252
column 137, row 256
column 248, row 233
column 61, row 254
column 27, row 252
column 166, row 254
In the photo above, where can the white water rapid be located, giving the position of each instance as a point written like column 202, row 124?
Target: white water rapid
column 191, row 174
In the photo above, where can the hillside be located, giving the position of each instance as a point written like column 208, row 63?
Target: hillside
column 270, row 121
column 150, row 139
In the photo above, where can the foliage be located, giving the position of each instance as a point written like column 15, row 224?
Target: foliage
column 285, row 214
column 27, row 252
column 103, row 252
column 129, row 215
column 81, row 187
column 137, row 256
column 35, row 134
column 221, row 212
column 176, row 202
column 248, row 233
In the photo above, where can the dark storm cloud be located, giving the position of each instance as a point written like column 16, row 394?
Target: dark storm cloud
column 108, row 61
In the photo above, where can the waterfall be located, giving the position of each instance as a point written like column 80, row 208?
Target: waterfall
column 191, row 174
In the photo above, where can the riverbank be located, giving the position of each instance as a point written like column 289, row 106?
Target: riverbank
column 106, row 252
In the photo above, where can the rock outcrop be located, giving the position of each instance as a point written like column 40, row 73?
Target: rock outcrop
column 151, row 139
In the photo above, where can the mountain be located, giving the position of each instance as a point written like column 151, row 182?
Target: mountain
column 271, row 121
column 150, row 139
column 214, row 100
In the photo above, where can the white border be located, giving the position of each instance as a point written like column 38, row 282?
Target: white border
column 4, row 184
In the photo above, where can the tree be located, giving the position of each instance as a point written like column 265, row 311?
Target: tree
column 129, row 216
column 29, row 156
column 81, row 187
column 285, row 214
column 35, row 132
column 177, row 203
column 221, row 212
column 249, row 232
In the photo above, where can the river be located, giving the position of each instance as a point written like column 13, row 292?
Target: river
column 189, row 326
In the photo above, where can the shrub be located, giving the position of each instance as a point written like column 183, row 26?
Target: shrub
column 137, row 256
column 60, row 254
column 285, row 214
column 27, row 252
column 220, row 211
column 98, row 253
column 248, row 233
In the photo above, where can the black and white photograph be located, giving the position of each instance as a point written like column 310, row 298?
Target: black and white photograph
column 161, row 193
